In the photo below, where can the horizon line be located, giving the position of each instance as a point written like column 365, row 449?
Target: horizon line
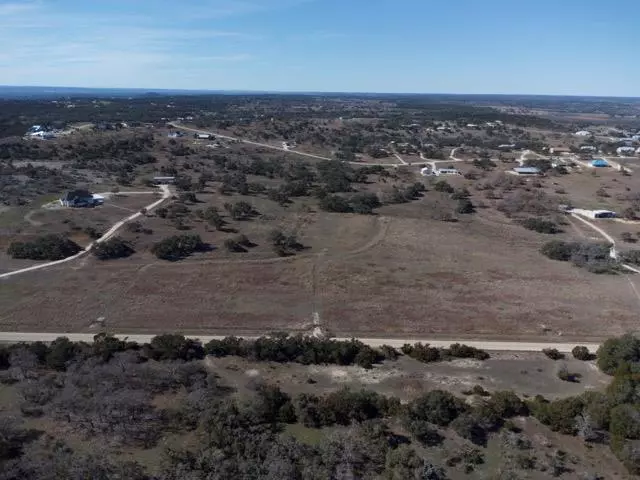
column 306, row 92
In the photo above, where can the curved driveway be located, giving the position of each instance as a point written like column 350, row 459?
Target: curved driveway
column 166, row 193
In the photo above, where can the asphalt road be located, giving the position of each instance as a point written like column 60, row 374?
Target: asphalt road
column 166, row 193
column 14, row 337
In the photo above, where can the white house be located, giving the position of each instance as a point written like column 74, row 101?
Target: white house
column 622, row 151
column 204, row 136
column 507, row 146
column 583, row 133
column 588, row 148
column 425, row 172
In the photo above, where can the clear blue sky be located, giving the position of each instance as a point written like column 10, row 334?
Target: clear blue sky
column 578, row 47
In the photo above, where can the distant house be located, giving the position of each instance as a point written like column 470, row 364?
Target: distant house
column 164, row 180
column 603, row 214
column 507, row 146
column 587, row 148
column 625, row 151
column 583, row 133
column 81, row 198
column 527, row 170
column 594, row 213
column 425, row 172
column 599, row 163
column 203, row 136
column 446, row 171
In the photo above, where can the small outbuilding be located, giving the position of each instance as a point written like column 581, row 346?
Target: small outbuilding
column 527, row 170
column 599, row 163
column 164, row 180
column 203, row 136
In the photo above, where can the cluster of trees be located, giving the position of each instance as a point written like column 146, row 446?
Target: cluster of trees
column 113, row 248
column 283, row 244
column 106, row 390
column 595, row 257
column 427, row 354
column 363, row 203
column 300, row 349
column 541, row 225
column 45, row 247
column 178, row 247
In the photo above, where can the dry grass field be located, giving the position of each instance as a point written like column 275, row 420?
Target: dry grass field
column 399, row 273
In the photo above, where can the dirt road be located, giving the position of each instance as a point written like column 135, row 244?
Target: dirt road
column 274, row 147
column 166, row 193
column 14, row 337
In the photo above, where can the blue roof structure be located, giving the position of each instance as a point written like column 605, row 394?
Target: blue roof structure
column 599, row 162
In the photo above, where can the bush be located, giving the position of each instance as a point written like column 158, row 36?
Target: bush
column 427, row 354
column 178, row 247
column 113, row 248
column 616, row 352
column 437, row 407
column 553, row 354
column 364, row 203
column 465, row 207
column 507, row 404
column 595, row 257
column 541, row 225
column 565, row 375
column 335, row 203
column 47, row 247
column 284, row 244
column 582, row 353
column 631, row 256
column 443, row 186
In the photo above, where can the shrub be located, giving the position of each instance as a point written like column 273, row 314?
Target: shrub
column 595, row 257
column 113, row 248
column 541, row 225
column 443, row 186
column 178, row 247
column 582, row 353
column 616, row 352
column 566, row 376
column 364, row 203
column 507, row 404
column 553, row 353
column 335, row 203
column 284, row 244
column 628, row 237
column 46, row 247
column 437, row 407
column 465, row 206
column 631, row 256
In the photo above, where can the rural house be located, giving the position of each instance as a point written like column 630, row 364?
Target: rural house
column 81, row 198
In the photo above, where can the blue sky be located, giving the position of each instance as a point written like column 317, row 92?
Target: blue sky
column 575, row 47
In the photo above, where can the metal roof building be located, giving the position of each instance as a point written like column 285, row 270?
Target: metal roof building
column 527, row 170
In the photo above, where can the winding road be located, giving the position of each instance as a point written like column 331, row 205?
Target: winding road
column 166, row 193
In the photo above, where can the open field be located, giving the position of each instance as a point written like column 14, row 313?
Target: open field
column 397, row 274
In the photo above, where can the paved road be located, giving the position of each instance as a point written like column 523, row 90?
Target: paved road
column 166, row 193
column 13, row 337
column 273, row 147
